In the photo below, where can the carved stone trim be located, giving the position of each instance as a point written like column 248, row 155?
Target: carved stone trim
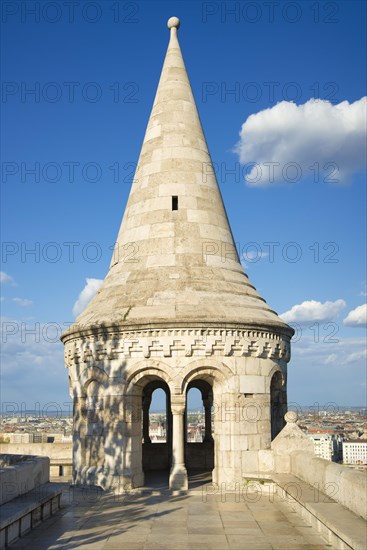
column 91, row 350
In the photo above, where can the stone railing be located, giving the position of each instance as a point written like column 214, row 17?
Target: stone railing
column 26, row 496
column 343, row 484
column 20, row 474
column 292, row 452
column 60, row 454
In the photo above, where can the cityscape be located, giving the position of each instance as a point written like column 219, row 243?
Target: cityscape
column 338, row 434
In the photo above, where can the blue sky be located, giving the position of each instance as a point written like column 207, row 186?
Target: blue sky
column 94, row 73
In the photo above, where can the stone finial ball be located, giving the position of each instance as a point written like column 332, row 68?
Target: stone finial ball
column 173, row 22
column 291, row 417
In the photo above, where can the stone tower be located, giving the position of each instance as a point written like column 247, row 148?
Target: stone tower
column 176, row 311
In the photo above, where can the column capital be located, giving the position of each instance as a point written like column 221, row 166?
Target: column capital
column 178, row 404
column 177, row 409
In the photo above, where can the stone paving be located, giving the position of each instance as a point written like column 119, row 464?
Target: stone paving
column 157, row 520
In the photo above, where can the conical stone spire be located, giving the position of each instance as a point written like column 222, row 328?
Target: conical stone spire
column 175, row 261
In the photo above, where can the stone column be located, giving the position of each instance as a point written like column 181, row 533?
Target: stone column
column 178, row 475
column 169, row 428
column 208, row 419
column 147, row 399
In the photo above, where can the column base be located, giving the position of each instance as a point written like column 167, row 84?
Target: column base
column 122, row 484
column 178, row 481
column 109, row 481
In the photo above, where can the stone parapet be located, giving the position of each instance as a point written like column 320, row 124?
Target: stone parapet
column 342, row 528
column 346, row 486
column 27, row 511
column 20, row 474
column 292, row 453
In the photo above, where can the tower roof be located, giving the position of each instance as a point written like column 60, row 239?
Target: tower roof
column 175, row 261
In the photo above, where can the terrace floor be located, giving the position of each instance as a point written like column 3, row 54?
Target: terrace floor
column 154, row 519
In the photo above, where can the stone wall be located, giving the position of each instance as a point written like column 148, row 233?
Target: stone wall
column 20, row 474
column 55, row 451
column 200, row 455
column 60, row 454
column 155, row 456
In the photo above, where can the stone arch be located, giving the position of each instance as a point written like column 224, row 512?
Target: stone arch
column 203, row 386
column 208, row 375
column 156, row 449
column 206, row 391
column 274, row 369
column 205, row 369
column 144, row 373
column 142, row 379
column 92, row 374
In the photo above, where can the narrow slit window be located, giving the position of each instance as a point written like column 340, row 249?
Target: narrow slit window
column 174, row 203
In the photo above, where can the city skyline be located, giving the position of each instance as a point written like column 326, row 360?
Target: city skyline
column 69, row 161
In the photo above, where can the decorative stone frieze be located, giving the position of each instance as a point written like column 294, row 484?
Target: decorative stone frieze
column 93, row 350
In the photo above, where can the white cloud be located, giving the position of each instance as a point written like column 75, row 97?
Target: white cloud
column 254, row 255
column 5, row 278
column 334, row 136
column 357, row 317
column 311, row 310
column 357, row 356
column 32, row 366
column 23, row 302
column 86, row 295
column 330, row 359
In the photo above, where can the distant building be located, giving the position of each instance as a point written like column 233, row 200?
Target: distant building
column 21, row 437
column 194, row 434
column 327, row 446
column 54, row 437
column 31, row 437
column 157, row 432
column 355, row 452
column 38, row 437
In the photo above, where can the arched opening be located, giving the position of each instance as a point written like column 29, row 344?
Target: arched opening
column 278, row 404
column 195, row 419
column 199, row 442
column 141, row 456
column 158, row 417
column 156, row 427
